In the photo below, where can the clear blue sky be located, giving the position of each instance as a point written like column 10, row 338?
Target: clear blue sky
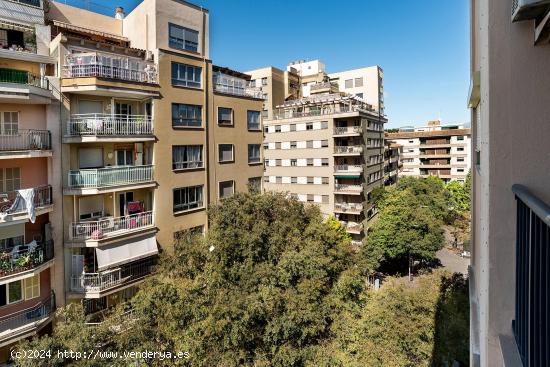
column 422, row 45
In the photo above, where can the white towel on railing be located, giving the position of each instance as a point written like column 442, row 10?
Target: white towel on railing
column 23, row 200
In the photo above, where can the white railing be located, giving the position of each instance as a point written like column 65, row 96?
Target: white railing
column 347, row 130
column 348, row 188
column 93, row 64
column 99, row 124
column 229, row 84
column 348, row 149
column 111, row 226
column 348, row 168
column 351, row 207
column 110, row 176
column 324, row 85
column 352, row 226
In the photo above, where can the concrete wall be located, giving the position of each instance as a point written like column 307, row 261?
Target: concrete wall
column 371, row 85
column 84, row 18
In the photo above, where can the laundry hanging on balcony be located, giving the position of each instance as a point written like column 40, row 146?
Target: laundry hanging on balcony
column 24, row 201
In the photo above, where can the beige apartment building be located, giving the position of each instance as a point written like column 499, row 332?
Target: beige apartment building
column 30, row 194
column 327, row 149
column 510, row 103
column 392, row 162
column 435, row 150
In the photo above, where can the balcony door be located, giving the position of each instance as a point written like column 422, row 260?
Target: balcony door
column 124, row 157
column 123, row 199
column 124, row 109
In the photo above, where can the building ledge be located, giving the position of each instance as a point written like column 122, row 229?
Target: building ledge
column 106, row 189
column 112, row 237
column 26, row 274
column 25, row 154
column 107, row 139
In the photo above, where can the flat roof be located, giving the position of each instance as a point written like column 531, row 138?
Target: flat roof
column 428, row 134
column 231, row 72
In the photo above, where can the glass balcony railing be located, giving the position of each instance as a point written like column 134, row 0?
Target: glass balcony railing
column 110, row 176
column 25, row 140
column 99, row 124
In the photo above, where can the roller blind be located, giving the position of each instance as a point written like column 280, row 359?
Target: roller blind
column 90, row 157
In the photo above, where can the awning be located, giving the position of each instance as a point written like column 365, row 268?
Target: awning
column 121, row 253
column 347, row 176
column 16, row 27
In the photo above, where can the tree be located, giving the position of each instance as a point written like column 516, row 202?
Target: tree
column 428, row 192
column 335, row 224
column 459, row 196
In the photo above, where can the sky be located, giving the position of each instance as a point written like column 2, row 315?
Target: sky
column 422, row 45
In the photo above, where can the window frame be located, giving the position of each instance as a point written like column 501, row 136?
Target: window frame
column 220, row 188
column 188, row 204
column 188, row 107
column 189, row 163
column 184, row 82
column 232, row 153
column 231, row 122
column 248, row 125
column 255, row 160
column 185, row 42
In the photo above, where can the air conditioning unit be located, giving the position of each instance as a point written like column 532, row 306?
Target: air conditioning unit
column 529, row 9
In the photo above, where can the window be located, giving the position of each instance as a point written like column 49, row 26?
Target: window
column 460, row 159
column 253, row 153
column 189, row 233
column 10, row 179
column 187, row 198
column 124, row 157
column 348, row 83
column 461, row 170
column 277, row 128
column 8, row 243
column 293, row 162
column 309, row 126
column 310, row 198
column 294, row 180
column 90, row 207
column 9, row 125
column 264, row 81
column 359, row 95
column 255, row 185
column 32, row 287
column 460, row 138
column 14, row 292
column 253, row 120
column 225, row 116
column 226, row 189
column 324, row 124
column 324, row 162
column 225, row 152
column 186, row 75
column 310, row 180
column 183, row 38
column 324, row 143
column 324, row 199
column 186, row 115
column 293, row 145
column 292, row 127
column 358, row 82
column 324, row 180
column 460, row 149
column 186, row 156
column 309, row 161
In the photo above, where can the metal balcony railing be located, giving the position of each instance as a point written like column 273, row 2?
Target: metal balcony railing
column 348, row 168
column 348, row 149
column 347, row 130
column 228, row 84
column 110, row 226
column 94, row 64
column 12, row 203
column 23, row 77
column 531, row 325
column 101, row 281
column 26, row 140
column 348, row 207
column 110, row 176
column 30, row 317
column 99, row 124
column 348, row 188
column 24, row 257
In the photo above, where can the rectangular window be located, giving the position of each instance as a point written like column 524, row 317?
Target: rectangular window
column 324, row 162
column 324, row 199
column 10, row 179
column 32, row 287
column 264, row 81
column 277, row 128
column 460, row 138
column 14, row 292
column 9, row 125
column 293, row 145
column 293, row 162
column 292, row 127
column 227, row 188
column 187, row 198
column 460, row 149
column 349, row 83
column 253, row 120
column 225, row 153
column 183, row 38
column 186, row 115
column 309, row 162
column 310, row 198
column 324, row 143
column 253, row 153
column 324, row 124
column 309, row 126
column 186, row 156
column 186, row 75
column 225, row 116
column 358, row 82
column 460, row 159
column 255, row 185
column 324, row 180
column 8, row 243
column 310, row 180
column 294, row 180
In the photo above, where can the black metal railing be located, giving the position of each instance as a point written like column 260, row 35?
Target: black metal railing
column 25, row 257
column 25, row 140
column 532, row 314
column 23, row 77
column 41, row 311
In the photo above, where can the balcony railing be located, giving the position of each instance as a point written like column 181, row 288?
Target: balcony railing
column 532, row 313
column 110, row 176
column 324, row 85
column 13, row 203
column 97, row 282
column 26, row 140
column 348, row 168
column 228, row 84
column 347, row 130
column 25, row 257
column 348, row 207
column 110, row 226
column 31, row 316
column 99, row 124
column 352, row 226
column 23, row 77
column 92, row 64
column 344, row 188
column 348, row 149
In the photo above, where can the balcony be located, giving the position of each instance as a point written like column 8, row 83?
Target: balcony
column 110, row 227
column 93, row 127
column 351, row 208
column 29, row 259
column 90, row 181
column 348, row 131
column 348, row 189
column 324, row 87
column 20, row 86
column 14, row 204
column 348, row 170
column 26, row 322
column 93, row 284
column 25, row 144
column 353, row 227
column 348, row 150
column 235, row 86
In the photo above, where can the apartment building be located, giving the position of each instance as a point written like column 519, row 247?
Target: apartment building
column 327, row 149
column 392, row 162
column 510, row 104
column 435, row 150
column 30, row 200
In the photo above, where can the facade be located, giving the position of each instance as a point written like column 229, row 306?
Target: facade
column 30, row 200
column 392, row 162
column 510, row 103
column 327, row 149
column 442, row 151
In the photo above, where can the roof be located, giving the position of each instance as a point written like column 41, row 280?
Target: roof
column 428, row 134
column 231, row 72
column 88, row 31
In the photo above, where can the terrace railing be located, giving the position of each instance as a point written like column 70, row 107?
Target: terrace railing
column 110, row 176
column 23, row 77
column 42, row 197
column 97, row 229
column 347, row 130
column 348, row 168
column 25, row 257
column 99, row 124
column 17, row 321
column 25, row 140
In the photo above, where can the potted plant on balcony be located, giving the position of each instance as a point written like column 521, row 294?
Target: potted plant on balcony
column 5, row 263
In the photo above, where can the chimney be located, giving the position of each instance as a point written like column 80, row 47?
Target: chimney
column 119, row 13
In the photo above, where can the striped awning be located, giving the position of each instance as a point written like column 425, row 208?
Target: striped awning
column 15, row 26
